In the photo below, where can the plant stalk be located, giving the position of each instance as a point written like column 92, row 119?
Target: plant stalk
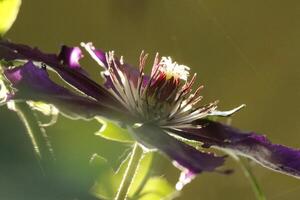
column 252, row 179
column 36, row 133
column 129, row 175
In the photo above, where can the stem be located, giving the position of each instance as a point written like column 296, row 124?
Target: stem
column 259, row 194
column 36, row 133
column 129, row 175
column 253, row 181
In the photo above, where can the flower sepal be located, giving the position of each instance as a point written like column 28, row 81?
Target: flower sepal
column 111, row 131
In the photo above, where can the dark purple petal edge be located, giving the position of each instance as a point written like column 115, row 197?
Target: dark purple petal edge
column 184, row 155
column 277, row 157
column 33, row 83
column 10, row 51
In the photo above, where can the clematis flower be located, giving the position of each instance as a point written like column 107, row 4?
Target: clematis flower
column 161, row 110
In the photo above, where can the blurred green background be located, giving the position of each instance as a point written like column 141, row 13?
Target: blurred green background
column 243, row 51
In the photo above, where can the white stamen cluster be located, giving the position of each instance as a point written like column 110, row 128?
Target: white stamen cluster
column 172, row 69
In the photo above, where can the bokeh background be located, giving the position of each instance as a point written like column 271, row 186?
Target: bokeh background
column 243, row 51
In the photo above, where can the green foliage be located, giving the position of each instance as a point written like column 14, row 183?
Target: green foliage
column 109, row 180
column 106, row 186
column 111, row 131
column 157, row 188
column 142, row 188
column 8, row 12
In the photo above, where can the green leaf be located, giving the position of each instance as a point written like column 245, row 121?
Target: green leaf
column 8, row 13
column 111, row 131
column 157, row 188
column 104, row 188
column 108, row 180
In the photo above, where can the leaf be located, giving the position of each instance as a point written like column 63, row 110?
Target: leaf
column 8, row 13
column 111, row 131
column 105, row 188
column 108, row 181
column 157, row 188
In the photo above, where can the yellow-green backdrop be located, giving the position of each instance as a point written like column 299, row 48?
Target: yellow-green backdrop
column 243, row 51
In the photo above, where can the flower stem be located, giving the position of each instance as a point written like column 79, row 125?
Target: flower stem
column 129, row 175
column 251, row 177
column 259, row 194
column 36, row 133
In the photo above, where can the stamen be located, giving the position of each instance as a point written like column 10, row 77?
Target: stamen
column 172, row 69
column 160, row 97
column 91, row 50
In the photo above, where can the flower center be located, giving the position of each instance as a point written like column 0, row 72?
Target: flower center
column 165, row 81
column 165, row 97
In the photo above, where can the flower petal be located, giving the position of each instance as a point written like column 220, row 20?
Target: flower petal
column 98, row 55
column 33, row 83
column 257, row 147
column 70, row 56
column 184, row 155
column 10, row 51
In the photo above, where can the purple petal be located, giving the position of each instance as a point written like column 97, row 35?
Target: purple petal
column 98, row 55
column 70, row 56
column 184, row 155
column 10, row 51
column 257, row 147
column 33, row 83
column 185, row 178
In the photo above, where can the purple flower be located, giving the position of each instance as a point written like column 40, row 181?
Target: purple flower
column 160, row 110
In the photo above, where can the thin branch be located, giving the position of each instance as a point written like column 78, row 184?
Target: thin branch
column 36, row 133
column 129, row 175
